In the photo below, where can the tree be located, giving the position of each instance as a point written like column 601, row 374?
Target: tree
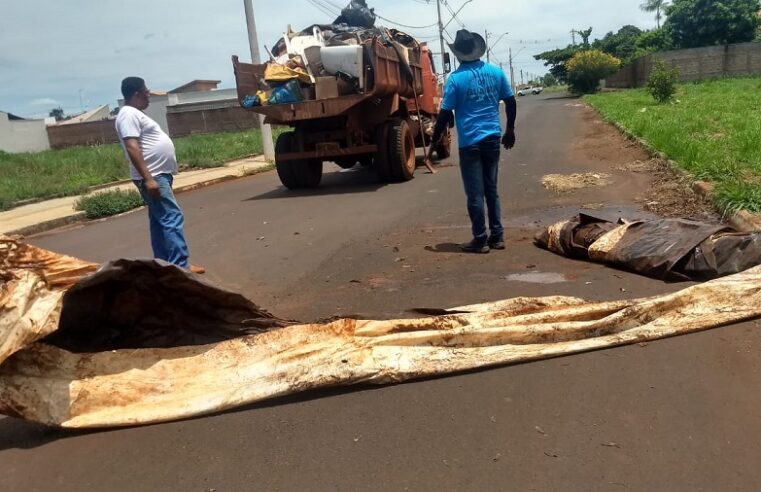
column 57, row 113
column 549, row 80
column 586, row 69
column 656, row 6
column 696, row 23
column 653, row 42
column 556, row 59
column 585, row 36
column 622, row 44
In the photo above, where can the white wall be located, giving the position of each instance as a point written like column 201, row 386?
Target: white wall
column 22, row 135
column 156, row 110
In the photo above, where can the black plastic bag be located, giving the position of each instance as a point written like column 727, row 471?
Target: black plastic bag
column 357, row 14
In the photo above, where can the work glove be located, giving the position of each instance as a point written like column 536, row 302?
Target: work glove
column 508, row 139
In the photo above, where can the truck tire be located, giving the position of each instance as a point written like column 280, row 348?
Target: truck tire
column 380, row 161
column 295, row 174
column 401, row 151
column 309, row 173
column 286, row 170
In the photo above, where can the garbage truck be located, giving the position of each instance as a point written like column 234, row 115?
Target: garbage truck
column 351, row 95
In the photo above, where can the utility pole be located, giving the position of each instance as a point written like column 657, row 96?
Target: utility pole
column 512, row 73
column 441, row 40
column 269, row 148
column 521, row 76
column 488, row 51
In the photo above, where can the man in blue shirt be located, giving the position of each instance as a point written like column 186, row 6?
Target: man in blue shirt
column 472, row 94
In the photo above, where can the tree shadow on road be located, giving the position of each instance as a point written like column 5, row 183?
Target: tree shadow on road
column 563, row 96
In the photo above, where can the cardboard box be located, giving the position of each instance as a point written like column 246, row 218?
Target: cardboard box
column 326, row 87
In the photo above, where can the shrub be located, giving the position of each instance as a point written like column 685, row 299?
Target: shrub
column 587, row 68
column 109, row 203
column 662, row 81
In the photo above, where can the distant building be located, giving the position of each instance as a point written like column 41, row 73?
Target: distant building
column 198, row 107
column 197, row 85
column 21, row 135
column 96, row 114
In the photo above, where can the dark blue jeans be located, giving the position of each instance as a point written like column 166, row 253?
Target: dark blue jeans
column 479, row 165
column 166, row 221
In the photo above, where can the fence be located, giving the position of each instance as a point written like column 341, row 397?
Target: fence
column 693, row 64
column 219, row 116
column 89, row 133
column 182, row 120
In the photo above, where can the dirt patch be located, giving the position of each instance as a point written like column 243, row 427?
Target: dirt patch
column 562, row 183
column 670, row 194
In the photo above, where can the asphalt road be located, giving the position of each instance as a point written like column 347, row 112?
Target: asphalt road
column 676, row 414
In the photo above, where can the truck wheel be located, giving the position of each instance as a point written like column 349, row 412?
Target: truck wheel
column 295, row 174
column 309, row 173
column 286, row 170
column 401, row 151
column 380, row 161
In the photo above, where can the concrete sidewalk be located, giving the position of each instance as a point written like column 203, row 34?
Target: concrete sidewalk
column 49, row 214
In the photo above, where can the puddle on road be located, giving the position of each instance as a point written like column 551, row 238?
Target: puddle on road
column 537, row 278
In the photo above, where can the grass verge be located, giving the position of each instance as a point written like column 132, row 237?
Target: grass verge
column 108, row 203
column 68, row 172
column 711, row 131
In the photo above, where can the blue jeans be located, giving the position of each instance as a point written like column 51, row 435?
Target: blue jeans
column 479, row 165
column 166, row 221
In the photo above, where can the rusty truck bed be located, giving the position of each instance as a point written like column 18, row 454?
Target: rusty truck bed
column 386, row 79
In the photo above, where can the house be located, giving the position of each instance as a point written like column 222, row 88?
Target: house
column 97, row 114
column 21, row 135
column 198, row 107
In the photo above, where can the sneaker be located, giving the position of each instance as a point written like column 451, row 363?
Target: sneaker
column 475, row 246
column 496, row 242
column 197, row 269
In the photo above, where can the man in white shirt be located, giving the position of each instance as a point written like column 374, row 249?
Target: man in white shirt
column 153, row 164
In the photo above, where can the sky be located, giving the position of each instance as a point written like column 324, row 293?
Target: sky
column 74, row 53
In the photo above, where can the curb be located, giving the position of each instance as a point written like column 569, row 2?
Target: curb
column 49, row 225
column 742, row 220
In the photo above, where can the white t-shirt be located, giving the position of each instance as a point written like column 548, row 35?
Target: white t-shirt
column 157, row 147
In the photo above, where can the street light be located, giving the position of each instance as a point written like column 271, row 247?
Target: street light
column 489, row 48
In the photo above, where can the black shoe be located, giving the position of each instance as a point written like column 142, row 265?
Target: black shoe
column 496, row 242
column 475, row 246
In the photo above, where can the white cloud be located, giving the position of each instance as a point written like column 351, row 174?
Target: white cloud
column 45, row 101
column 44, row 58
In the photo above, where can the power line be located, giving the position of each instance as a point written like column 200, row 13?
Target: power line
column 454, row 14
column 322, row 8
column 406, row 26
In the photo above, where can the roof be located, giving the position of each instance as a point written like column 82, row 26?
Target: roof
column 193, row 83
column 12, row 116
column 86, row 116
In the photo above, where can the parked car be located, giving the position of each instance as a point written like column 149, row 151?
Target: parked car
column 528, row 89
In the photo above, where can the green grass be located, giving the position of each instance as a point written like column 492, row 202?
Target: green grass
column 108, row 203
column 712, row 131
column 67, row 172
